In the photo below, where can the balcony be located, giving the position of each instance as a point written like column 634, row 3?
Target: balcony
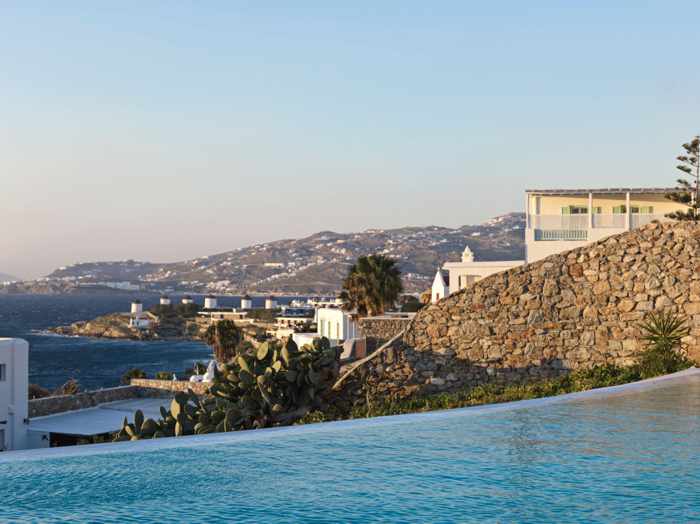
column 580, row 227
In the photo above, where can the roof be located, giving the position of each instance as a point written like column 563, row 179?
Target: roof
column 605, row 191
column 104, row 418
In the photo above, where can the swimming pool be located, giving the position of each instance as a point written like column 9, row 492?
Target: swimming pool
column 625, row 457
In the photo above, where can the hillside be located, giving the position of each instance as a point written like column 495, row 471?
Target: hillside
column 4, row 277
column 315, row 264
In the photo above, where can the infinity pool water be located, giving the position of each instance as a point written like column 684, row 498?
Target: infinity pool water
column 621, row 458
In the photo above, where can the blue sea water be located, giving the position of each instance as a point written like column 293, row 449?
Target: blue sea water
column 95, row 363
column 628, row 458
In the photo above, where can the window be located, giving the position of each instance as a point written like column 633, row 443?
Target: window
column 574, row 210
column 3, row 372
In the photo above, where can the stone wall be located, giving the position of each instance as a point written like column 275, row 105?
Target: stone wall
column 568, row 311
column 41, row 407
column 198, row 388
column 378, row 330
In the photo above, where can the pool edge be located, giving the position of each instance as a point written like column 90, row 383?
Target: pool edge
column 262, row 434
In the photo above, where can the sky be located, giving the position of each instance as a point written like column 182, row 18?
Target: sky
column 164, row 131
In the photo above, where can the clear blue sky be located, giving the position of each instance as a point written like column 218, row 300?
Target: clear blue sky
column 169, row 130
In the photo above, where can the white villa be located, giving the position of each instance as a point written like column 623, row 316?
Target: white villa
column 562, row 219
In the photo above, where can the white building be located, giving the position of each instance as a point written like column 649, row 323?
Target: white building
column 468, row 271
column 187, row 300
column 246, row 302
column 440, row 287
column 270, row 303
column 165, row 300
column 210, row 302
column 138, row 319
column 563, row 219
column 335, row 324
column 14, row 384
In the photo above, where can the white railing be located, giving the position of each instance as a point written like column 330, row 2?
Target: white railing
column 617, row 221
column 639, row 220
column 559, row 222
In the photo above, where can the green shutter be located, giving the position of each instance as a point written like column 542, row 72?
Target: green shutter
column 619, row 210
column 566, row 210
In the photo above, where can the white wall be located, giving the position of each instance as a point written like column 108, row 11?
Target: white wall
column 14, row 384
column 467, row 273
column 335, row 324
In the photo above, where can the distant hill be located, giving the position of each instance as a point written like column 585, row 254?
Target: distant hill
column 4, row 277
column 312, row 265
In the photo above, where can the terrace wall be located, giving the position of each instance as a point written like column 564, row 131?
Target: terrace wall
column 569, row 311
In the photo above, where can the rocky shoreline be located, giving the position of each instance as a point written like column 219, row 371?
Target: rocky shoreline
column 116, row 326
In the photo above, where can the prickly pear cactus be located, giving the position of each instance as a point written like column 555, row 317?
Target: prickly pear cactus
column 275, row 384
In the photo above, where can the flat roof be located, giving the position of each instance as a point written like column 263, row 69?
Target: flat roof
column 605, row 191
column 104, row 418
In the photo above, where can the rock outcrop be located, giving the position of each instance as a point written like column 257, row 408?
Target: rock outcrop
column 569, row 311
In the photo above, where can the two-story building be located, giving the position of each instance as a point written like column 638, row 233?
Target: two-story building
column 558, row 220
column 563, row 219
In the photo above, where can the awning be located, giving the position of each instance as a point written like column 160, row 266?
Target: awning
column 104, row 418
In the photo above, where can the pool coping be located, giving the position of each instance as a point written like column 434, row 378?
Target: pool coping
column 355, row 424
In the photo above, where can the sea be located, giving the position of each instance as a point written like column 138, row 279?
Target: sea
column 94, row 362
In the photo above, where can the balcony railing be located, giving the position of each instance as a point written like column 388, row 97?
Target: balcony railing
column 617, row 221
column 575, row 227
column 639, row 220
column 559, row 222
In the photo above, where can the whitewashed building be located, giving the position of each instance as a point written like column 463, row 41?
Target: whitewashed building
column 138, row 318
column 165, row 300
column 270, row 303
column 336, row 324
column 440, row 288
column 210, row 302
column 14, row 384
column 468, row 271
column 246, row 302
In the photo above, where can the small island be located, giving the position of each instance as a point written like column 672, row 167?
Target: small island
column 163, row 321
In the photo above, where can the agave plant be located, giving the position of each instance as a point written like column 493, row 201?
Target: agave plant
column 664, row 329
column 664, row 332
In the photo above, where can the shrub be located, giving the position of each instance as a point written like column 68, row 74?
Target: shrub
column 132, row 373
column 164, row 375
column 663, row 333
column 223, row 337
column 71, row 387
column 36, row 391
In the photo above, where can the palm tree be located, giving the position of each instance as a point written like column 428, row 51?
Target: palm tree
column 223, row 337
column 372, row 285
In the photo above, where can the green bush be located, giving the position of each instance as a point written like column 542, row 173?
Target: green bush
column 36, row 391
column 164, row 375
column 132, row 373
column 663, row 333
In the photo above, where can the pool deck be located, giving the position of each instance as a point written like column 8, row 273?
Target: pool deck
column 343, row 425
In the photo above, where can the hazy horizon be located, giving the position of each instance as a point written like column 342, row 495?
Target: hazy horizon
column 167, row 132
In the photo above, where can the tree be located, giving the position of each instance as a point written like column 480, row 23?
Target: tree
column 372, row 286
column 688, row 191
column 223, row 337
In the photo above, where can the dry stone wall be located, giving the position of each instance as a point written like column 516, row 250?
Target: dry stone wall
column 568, row 311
